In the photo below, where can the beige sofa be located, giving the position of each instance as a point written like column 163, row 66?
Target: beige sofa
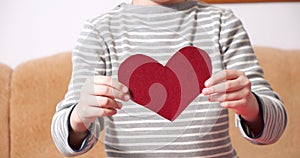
column 30, row 92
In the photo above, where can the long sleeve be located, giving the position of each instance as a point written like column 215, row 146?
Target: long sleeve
column 238, row 54
column 87, row 61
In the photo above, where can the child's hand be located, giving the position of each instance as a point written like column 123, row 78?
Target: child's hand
column 232, row 89
column 97, row 99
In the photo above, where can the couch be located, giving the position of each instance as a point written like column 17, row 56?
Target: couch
column 30, row 92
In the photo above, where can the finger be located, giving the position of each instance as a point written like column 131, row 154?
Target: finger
column 109, row 81
column 237, row 105
column 99, row 101
column 104, row 90
column 224, row 87
column 108, row 112
column 230, row 96
column 109, row 87
column 108, row 103
column 222, row 76
column 95, row 112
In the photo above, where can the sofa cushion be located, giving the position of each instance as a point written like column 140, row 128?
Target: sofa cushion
column 5, row 76
column 36, row 88
column 282, row 70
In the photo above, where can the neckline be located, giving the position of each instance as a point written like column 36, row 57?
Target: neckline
column 158, row 8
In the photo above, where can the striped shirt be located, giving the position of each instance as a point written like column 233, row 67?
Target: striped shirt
column 201, row 130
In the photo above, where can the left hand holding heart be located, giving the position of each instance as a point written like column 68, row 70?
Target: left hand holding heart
column 232, row 89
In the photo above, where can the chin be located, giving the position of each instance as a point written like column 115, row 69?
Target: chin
column 167, row 1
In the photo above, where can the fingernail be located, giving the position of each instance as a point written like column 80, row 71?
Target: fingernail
column 126, row 97
column 205, row 91
column 210, row 98
column 124, row 89
column 207, row 83
column 223, row 105
column 120, row 104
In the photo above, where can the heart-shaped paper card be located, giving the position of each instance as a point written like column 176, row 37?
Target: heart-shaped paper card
column 166, row 90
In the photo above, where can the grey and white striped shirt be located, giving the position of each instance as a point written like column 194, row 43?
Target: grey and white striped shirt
column 159, row 31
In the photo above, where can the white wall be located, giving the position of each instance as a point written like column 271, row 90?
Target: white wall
column 34, row 28
column 271, row 24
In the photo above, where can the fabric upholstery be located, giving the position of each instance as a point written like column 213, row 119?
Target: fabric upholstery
column 5, row 75
column 282, row 70
column 37, row 86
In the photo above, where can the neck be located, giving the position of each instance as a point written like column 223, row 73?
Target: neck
column 155, row 2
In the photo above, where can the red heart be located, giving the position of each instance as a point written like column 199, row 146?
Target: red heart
column 166, row 90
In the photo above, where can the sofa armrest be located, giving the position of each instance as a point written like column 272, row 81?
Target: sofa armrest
column 5, row 76
column 282, row 71
column 36, row 88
